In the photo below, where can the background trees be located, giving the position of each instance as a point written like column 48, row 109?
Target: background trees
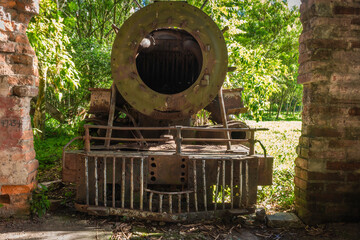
column 73, row 40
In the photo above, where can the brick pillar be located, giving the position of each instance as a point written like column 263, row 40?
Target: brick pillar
column 327, row 181
column 18, row 84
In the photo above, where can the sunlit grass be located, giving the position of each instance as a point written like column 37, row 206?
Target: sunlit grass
column 280, row 142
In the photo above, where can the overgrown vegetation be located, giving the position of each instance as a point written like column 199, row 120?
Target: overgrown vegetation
column 280, row 142
column 39, row 203
column 73, row 41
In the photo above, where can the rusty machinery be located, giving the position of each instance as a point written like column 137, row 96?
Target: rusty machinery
column 142, row 156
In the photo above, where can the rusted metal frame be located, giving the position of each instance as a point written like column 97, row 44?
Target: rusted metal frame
column 224, row 118
column 132, row 183
column 252, row 143
column 178, row 140
column 96, row 183
column 123, row 183
column 232, row 183
column 87, row 179
column 195, row 187
column 167, row 193
column 141, row 183
column 161, row 203
column 213, row 140
column 247, row 182
column 170, row 204
column 204, row 183
column 150, row 201
column 150, row 215
column 64, row 149
column 137, row 3
column 223, row 184
column 87, row 140
column 132, row 139
column 217, row 184
column 111, row 116
column 183, row 128
column 188, row 202
column 240, row 182
column 105, row 203
column 179, row 203
column 113, row 182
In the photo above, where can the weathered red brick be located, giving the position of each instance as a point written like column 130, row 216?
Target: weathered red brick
column 345, row 166
column 14, row 190
column 8, row 47
column 346, row 10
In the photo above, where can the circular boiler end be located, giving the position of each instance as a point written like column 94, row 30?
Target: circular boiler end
column 169, row 61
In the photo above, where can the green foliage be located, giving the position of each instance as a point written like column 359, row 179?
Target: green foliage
column 39, row 203
column 47, row 37
column 1, row 205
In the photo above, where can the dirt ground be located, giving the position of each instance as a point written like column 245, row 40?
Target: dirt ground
column 66, row 223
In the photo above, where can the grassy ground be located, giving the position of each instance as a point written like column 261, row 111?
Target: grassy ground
column 280, row 142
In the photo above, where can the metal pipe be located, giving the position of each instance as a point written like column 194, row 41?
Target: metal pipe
column 217, row 184
column 132, row 183
column 123, row 183
column 105, row 203
column 232, row 183
column 168, row 193
column 195, row 187
column 204, row 129
column 87, row 140
column 224, row 117
column 178, row 140
column 96, row 183
column 213, row 140
column 223, row 184
column 179, row 203
column 252, row 143
column 204, row 182
column 113, row 185
column 188, row 202
column 240, row 182
column 87, row 179
column 142, row 184
column 247, row 182
column 170, row 204
column 160, row 203
column 150, row 201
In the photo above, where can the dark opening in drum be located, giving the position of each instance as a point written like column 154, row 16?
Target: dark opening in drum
column 169, row 61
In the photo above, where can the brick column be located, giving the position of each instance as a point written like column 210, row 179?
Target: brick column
column 327, row 181
column 18, row 84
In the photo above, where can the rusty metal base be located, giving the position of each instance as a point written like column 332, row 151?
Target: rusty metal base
column 163, row 217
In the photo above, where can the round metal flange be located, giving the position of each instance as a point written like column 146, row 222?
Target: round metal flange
column 169, row 15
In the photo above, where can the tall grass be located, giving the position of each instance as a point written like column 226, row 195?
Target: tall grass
column 280, row 142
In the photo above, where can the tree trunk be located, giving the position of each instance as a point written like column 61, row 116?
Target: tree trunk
column 39, row 115
column 280, row 106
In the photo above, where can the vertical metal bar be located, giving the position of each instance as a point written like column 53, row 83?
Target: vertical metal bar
column 160, row 203
column 232, row 184
column 170, row 203
column 204, row 4
column 188, row 202
column 224, row 118
column 87, row 140
column 141, row 183
column 87, row 179
column 204, row 182
column 247, row 182
column 132, row 184
column 111, row 116
column 223, row 184
column 123, row 183
column 113, row 185
column 217, row 183
column 252, row 142
column 179, row 203
column 150, row 201
column 105, row 203
column 240, row 182
column 178, row 140
column 195, row 186
column 96, row 183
